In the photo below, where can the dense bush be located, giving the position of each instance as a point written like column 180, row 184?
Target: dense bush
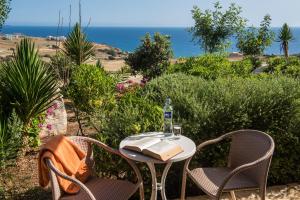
column 152, row 57
column 90, row 87
column 209, row 108
column 286, row 66
column 212, row 66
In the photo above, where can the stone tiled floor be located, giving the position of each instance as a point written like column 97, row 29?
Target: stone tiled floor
column 287, row 192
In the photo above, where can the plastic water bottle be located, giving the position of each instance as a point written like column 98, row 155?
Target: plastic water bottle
column 168, row 117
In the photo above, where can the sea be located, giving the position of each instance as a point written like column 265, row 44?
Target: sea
column 128, row 38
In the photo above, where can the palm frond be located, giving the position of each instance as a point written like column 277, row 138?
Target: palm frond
column 77, row 47
column 29, row 83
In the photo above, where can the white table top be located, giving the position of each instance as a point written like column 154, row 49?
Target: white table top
column 189, row 149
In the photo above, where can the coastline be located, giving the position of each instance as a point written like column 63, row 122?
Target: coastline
column 112, row 58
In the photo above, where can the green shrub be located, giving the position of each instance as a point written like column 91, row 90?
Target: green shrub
column 152, row 57
column 212, row 66
column 10, row 139
column 131, row 115
column 208, row 108
column 90, row 87
column 286, row 66
column 61, row 64
column 111, row 52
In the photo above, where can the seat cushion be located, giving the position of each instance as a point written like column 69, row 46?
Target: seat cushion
column 105, row 189
column 210, row 179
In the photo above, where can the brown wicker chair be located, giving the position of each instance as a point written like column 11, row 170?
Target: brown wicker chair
column 248, row 165
column 95, row 188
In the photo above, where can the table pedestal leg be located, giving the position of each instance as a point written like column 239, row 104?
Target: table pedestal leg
column 154, row 180
column 163, row 181
column 158, row 186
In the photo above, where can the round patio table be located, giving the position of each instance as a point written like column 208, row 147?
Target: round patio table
column 189, row 149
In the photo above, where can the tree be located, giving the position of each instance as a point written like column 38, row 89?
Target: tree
column 213, row 29
column 77, row 47
column 285, row 36
column 4, row 11
column 253, row 41
column 152, row 57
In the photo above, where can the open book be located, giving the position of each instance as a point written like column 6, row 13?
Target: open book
column 154, row 147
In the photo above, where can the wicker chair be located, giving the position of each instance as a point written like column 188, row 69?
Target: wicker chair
column 248, row 165
column 95, row 188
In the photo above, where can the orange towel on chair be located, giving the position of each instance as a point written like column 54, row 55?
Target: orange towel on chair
column 66, row 157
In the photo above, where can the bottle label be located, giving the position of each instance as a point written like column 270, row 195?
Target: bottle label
column 168, row 115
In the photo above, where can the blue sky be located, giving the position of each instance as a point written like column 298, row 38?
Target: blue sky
column 145, row 12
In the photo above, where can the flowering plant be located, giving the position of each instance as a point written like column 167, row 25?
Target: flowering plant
column 38, row 123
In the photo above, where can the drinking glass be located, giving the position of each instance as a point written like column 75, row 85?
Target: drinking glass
column 177, row 130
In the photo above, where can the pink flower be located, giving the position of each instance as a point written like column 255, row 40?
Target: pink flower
column 120, row 87
column 40, row 125
column 50, row 111
column 55, row 106
column 49, row 127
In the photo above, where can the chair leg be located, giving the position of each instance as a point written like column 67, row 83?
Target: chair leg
column 262, row 193
column 233, row 197
column 141, row 190
column 183, row 186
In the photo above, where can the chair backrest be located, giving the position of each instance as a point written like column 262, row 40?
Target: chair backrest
column 87, row 148
column 248, row 146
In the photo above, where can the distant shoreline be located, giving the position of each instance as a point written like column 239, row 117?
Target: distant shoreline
column 128, row 38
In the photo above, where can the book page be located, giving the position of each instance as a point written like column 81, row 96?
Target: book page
column 142, row 144
column 163, row 150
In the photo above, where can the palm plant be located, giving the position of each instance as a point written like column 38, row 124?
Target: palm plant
column 285, row 36
column 30, row 85
column 77, row 47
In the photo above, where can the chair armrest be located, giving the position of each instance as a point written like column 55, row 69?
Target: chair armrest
column 117, row 152
column 213, row 141
column 204, row 144
column 69, row 178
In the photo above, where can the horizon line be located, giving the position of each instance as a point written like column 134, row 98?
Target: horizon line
column 116, row 26
column 96, row 26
